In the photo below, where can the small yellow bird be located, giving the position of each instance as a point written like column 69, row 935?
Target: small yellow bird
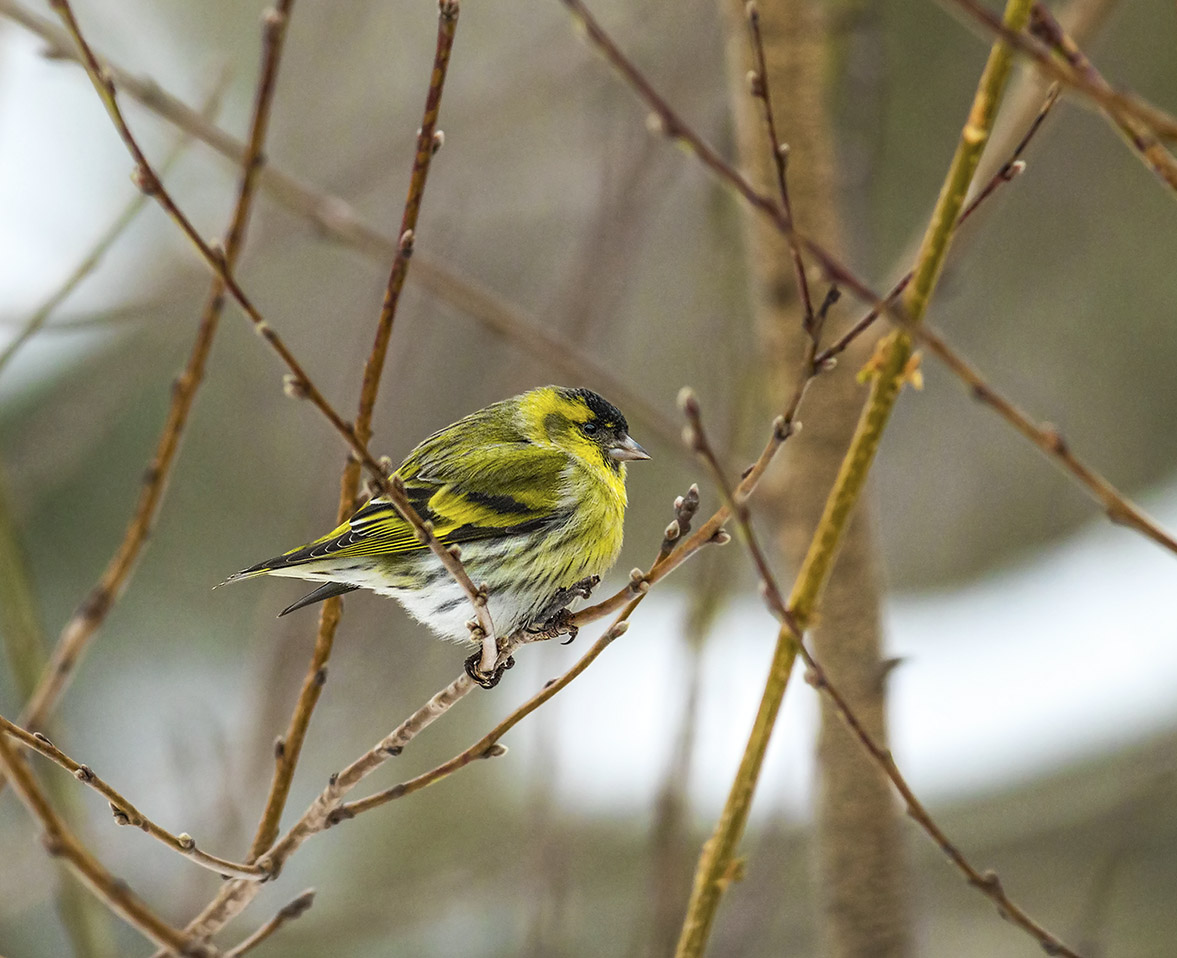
column 531, row 488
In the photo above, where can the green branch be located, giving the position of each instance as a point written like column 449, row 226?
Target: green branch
column 718, row 866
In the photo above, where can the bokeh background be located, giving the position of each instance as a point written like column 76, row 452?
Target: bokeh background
column 1036, row 703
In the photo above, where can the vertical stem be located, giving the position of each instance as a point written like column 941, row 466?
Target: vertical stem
column 289, row 747
column 717, row 865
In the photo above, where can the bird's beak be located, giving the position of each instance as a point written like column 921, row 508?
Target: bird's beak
column 626, row 450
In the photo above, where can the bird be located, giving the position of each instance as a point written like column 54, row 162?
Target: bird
column 532, row 491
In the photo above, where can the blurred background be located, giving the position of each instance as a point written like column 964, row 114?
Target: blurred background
column 1034, row 706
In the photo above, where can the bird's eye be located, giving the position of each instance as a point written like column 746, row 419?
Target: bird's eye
column 589, row 428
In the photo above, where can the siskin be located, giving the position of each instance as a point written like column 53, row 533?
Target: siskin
column 531, row 488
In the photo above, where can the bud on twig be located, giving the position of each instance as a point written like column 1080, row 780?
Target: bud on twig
column 295, row 386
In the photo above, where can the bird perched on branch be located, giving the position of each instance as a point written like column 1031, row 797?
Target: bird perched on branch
column 532, row 491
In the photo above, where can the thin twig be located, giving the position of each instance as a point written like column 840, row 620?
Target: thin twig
column 86, row 621
column 335, row 217
column 124, row 812
column 1118, row 508
column 673, row 126
column 94, row 256
column 298, row 383
column 487, row 746
column 1147, row 148
column 717, row 865
column 234, row 896
column 986, row 882
column 287, row 913
column 762, row 90
column 1121, row 106
column 60, row 841
column 289, row 747
column 1009, row 170
column 145, row 176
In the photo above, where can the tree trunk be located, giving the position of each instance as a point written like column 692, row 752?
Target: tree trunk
column 861, row 862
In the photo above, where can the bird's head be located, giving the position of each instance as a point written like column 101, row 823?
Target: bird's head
column 583, row 424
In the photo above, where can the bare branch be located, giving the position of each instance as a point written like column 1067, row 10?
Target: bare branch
column 86, row 621
column 762, row 90
column 124, row 812
column 1008, row 171
column 986, row 882
column 676, row 128
column 287, row 913
column 287, row 755
column 1142, row 141
column 115, row 893
column 1118, row 508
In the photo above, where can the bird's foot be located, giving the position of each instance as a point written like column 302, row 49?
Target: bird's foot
column 556, row 625
column 488, row 680
column 561, row 599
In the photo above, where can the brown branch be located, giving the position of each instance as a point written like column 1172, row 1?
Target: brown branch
column 88, row 618
column 336, row 218
column 1008, row 171
column 1119, row 508
column 1118, row 105
column 487, row 746
column 762, row 90
column 289, row 747
column 145, row 176
column 427, row 145
column 124, row 812
column 234, row 896
column 1147, row 148
column 287, row 913
column 298, row 383
column 986, row 882
column 328, row 808
column 61, row 842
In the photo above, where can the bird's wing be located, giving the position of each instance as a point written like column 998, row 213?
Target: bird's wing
column 496, row 489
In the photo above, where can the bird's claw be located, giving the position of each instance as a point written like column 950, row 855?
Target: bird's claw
column 488, row 680
column 556, row 625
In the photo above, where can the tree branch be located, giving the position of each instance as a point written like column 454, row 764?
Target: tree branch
column 90, row 615
column 124, row 812
column 115, row 893
column 289, row 746
column 674, row 127
column 717, row 866
column 986, row 882
column 287, row 913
